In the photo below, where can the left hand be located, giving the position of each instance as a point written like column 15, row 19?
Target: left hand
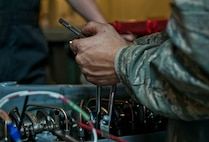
column 96, row 53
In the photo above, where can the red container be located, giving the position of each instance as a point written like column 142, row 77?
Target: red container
column 140, row 28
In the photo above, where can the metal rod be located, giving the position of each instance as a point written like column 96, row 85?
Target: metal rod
column 111, row 101
column 23, row 112
column 73, row 29
column 98, row 105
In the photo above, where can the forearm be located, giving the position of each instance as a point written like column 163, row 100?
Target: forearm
column 88, row 9
column 169, row 77
column 162, row 83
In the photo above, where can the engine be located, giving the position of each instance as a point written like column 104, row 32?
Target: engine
column 50, row 123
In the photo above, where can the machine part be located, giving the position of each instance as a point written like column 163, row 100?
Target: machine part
column 70, row 27
column 39, row 121
column 42, row 121
column 60, row 124
column 98, row 105
column 127, row 115
column 105, row 122
column 105, row 126
column 45, row 136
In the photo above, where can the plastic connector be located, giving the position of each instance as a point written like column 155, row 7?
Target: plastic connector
column 14, row 133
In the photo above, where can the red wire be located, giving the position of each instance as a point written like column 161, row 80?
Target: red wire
column 100, row 132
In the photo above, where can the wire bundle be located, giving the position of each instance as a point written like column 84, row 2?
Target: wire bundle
column 55, row 95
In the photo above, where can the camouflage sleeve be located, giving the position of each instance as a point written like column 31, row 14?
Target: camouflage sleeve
column 171, row 75
column 156, row 38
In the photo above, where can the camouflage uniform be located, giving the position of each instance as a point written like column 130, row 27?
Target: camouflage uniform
column 169, row 72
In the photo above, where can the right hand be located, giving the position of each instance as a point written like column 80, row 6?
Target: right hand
column 96, row 53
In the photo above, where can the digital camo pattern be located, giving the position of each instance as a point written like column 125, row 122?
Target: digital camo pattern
column 171, row 75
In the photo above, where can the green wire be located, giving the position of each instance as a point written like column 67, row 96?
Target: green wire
column 77, row 108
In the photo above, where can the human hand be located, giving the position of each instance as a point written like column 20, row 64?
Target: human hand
column 95, row 54
column 129, row 37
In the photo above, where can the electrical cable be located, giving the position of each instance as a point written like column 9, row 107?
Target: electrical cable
column 13, row 131
column 81, row 106
column 4, row 115
column 55, row 95
column 115, row 138
column 93, row 130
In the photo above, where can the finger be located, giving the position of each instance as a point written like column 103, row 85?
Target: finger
column 79, row 45
column 92, row 28
column 102, row 81
column 73, row 46
column 98, row 77
column 98, row 72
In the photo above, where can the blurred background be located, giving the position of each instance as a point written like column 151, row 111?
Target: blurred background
column 62, row 68
column 52, row 10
